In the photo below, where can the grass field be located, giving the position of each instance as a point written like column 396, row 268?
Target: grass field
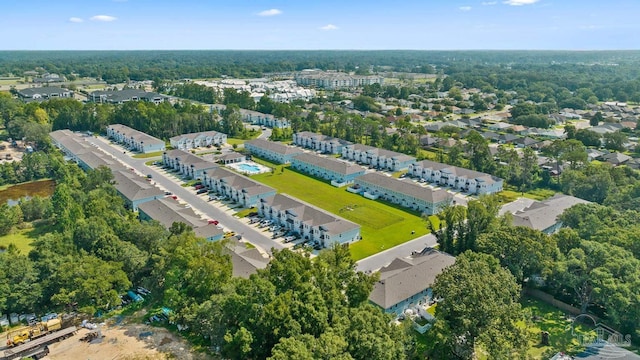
column 148, row 155
column 536, row 194
column 22, row 238
column 383, row 225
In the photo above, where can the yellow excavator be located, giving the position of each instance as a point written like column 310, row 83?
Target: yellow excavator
column 24, row 334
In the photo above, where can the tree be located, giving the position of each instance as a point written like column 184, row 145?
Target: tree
column 480, row 157
column 570, row 130
column 522, row 250
column 615, row 141
column 596, row 119
column 479, row 310
column 588, row 137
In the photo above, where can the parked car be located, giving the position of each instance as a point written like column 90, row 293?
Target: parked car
column 201, row 191
column 289, row 238
column 214, row 222
column 198, row 187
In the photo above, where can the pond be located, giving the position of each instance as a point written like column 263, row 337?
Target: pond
column 13, row 194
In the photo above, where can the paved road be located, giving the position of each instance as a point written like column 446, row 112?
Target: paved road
column 375, row 262
column 198, row 203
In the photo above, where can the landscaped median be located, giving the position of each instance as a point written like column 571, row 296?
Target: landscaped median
column 383, row 225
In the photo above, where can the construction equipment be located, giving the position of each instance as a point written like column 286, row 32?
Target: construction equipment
column 24, row 334
column 92, row 335
column 37, row 347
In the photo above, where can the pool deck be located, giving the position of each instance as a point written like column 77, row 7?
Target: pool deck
column 237, row 167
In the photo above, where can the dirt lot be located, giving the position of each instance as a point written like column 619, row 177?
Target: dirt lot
column 125, row 342
column 16, row 153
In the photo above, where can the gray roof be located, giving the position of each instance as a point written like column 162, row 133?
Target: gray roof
column 45, row 91
column 71, row 141
column 168, row 211
column 606, row 351
column 383, row 152
column 459, row 171
column 310, row 214
column 239, row 182
column 126, row 95
column 273, row 146
column 190, row 159
column 231, row 156
column 321, row 137
column 133, row 133
column 405, row 186
column 134, row 187
column 95, row 159
column 541, row 215
column 245, row 261
column 196, row 135
column 404, row 278
column 329, row 163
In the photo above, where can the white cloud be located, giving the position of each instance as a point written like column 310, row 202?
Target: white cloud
column 465, row 8
column 270, row 12
column 104, row 18
column 520, row 2
column 329, row 27
column 488, row 3
column 75, row 20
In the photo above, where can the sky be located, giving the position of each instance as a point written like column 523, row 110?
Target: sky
column 319, row 24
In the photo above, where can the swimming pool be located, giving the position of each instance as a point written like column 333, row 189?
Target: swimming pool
column 249, row 168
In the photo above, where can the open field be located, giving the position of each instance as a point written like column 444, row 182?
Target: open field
column 383, row 225
column 148, row 155
column 22, row 238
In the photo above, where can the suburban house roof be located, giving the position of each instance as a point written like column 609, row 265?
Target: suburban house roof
column 405, row 186
column 403, row 278
column 329, row 163
column 273, row 146
column 245, row 261
column 616, row 158
column 135, row 134
column 133, row 187
column 310, row 214
column 541, row 215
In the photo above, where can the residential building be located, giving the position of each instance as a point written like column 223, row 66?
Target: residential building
column 245, row 261
column 44, row 93
column 406, row 283
column 238, row 188
column 94, row 159
column 70, row 143
column 272, row 151
column 134, row 189
column 122, row 96
column 186, row 163
column 377, row 158
column 134, row 139
column 541, row 215
column 339, row 173
column 231, row 158
column 319, row 142
column 196, row 140
column 313, row 224
column 403, row 192
column 168, row 211
column 256, row 118
column 461, row 179
column 335, row 80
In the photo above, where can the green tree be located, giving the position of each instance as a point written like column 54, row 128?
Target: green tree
column 615, row 141
column 479, row 310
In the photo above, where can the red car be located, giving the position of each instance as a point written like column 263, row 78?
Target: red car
column 214, row 222
column 200, row 186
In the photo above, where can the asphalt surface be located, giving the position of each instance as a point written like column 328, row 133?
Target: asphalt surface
column 376, row 261
column 188, row 195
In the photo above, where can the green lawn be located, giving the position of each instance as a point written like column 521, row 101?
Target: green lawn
column 148, row 155
column 245, row 212
column 383, row 225
column 22, row 238
column 535, row 194
column 544, row 317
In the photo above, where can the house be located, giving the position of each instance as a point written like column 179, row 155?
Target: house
column 168, row 211
column 236, row 187
column 339, row 173
column 44, row 93
column 377, row 158
column 525, row 142
column 405, row 283
column 507, row 138
column 272, row 151
column 268, row 120
column 500, row 126
column 311, row 223
column 134, row 139
column 615, row 158
column 199, row 139
column 231, row 158
column 134, row 189
column 403, row 192
column 543, row 215
column 186, row 163
column 244, row 261
column 319, row 142
column 490, row 135
column 122, row 96
column 458, row 178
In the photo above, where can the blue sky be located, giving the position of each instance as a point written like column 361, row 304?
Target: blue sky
column 319, row 24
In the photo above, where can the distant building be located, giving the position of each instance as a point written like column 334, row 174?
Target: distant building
column 335, row 80
column 44, row 93
column 199, row 139
column 458, row 178
column 407, row 282
column 319, row 142
column 541, row 215
column 134, row 139
column 403, row 192
column 339, row 173
column 311, row 223
column 377, row 158
column 272, row 151
column 122, row 96
column 186, row 163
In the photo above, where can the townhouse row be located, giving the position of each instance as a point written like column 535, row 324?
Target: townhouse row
column 199, row 139
column 256, row 118
column 134, row 139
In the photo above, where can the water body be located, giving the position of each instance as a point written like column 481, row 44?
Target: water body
column 13, row 194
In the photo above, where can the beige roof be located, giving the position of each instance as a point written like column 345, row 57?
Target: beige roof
column 245, row 261
column 404, row 278
column 541, row 215
column 273, row 146
column 168, row 211
column 138, row 135
column 134, row 187
column 405, row 186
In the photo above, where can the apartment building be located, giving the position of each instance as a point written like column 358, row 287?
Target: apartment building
column 186, row 163
column 339, row 173
column 461, row 179
column 319, row 142
column 272, row 151
column 134, row 139
column 376, row 157
column 236, row 187
column 199, row 139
